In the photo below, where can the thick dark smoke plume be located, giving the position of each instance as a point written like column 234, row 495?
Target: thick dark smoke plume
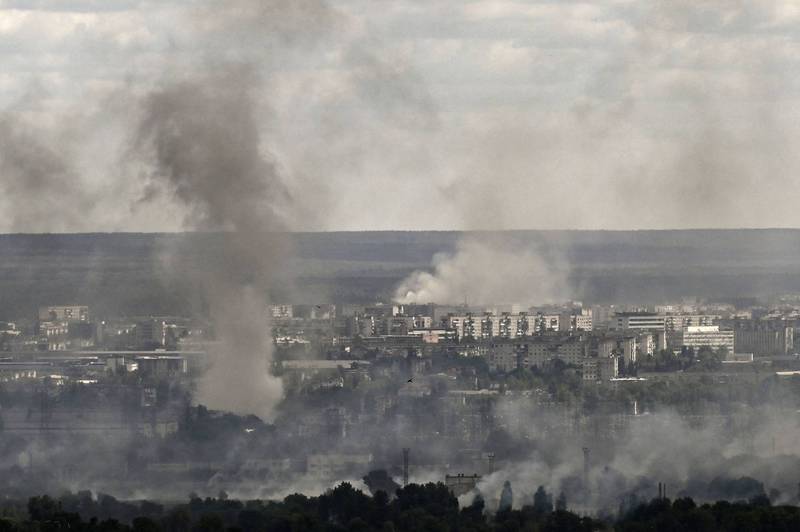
column 203, row 140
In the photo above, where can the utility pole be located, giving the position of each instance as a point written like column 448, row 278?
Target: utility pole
column 586, row 452
column 406, row 451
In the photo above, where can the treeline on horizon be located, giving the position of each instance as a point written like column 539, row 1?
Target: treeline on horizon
column 429, row 507
column 119, row 274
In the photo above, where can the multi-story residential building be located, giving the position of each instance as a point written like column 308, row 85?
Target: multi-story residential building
column 397, row 325
column 582, row 321
column 541, row 352
column 576, row 320
column 629, row 348
column 647, row 343
column 678, row 322
column 422, row 322
column 546, row 322
column 466, row 327
column 630, row 345
column 64, row 313
column 363, row 326
column 162, row 365
column 515, row 325
column 486, row 326
column 600, row 368
column 281, row 311
column 534, row 352
column 434, row 336
column 638, row 321
column 709, row 336
column 603, row 316
column 53, row 335
column 151, row 333
column 503, row 356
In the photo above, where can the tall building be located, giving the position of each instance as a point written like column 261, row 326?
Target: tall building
column 677, row 322
column 151, row 333
column 281, row 311
column 65, row 313
column 600, row 368
column 547, row 322
column 763, row 338
column 487, row 325
column 639, row 320
column 576, row 320
column 534, row 352
column 541, row 352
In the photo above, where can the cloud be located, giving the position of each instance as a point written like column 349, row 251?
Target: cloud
column 611, row 114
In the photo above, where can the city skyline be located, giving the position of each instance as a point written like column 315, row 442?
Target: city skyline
column 335, row 265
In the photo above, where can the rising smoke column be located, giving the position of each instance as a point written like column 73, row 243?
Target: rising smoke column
column 203, row 142
column 204, row 137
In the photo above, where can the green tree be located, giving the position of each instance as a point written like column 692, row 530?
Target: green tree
column 561, row 502
column 542, row 501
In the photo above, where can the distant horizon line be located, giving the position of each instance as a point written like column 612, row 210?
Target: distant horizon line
column 356, row 231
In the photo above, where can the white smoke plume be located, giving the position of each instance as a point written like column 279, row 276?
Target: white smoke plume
column 488, row 268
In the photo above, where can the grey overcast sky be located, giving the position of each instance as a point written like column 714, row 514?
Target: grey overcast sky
column 411, row 114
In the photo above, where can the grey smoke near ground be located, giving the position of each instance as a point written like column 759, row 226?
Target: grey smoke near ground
column 488, row 268
column 687, row 455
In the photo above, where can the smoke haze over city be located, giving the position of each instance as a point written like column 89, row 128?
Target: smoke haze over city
column 358, row 265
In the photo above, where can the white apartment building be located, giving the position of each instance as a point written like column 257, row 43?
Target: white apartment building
column 638, row 320
column 677, row 322
column 708, row 336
